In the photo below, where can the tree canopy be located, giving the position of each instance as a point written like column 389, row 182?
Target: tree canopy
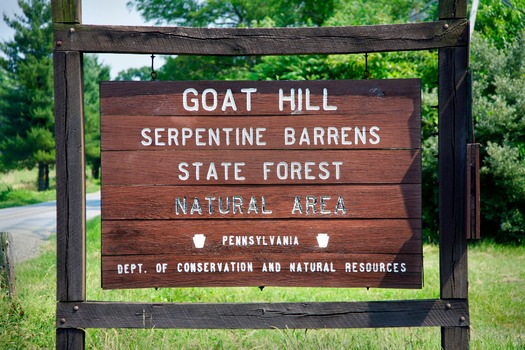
column 235, row 13
column 26, row 101
column 94, row 72
column 27, row 125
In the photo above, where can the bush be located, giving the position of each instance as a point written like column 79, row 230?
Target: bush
column 499, row 112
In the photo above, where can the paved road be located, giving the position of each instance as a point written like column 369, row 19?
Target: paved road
column 32, row 225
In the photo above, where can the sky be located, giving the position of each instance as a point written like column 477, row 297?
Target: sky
column 108, row 12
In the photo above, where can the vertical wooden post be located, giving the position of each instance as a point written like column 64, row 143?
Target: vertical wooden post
column 453, row 130
column 71, row 222
column 7, row 271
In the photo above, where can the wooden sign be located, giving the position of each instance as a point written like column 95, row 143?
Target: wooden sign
column 282, row 183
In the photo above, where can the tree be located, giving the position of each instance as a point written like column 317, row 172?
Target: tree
column 500, row 20
column 499, row 111
column 26, row 102
column 140, row 74
column 94, row 72
column 235, row 13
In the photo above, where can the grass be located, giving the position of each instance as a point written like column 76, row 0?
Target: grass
column 497, row 305
column 19, row 187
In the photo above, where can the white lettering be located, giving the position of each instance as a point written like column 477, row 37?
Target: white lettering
column 214, row 100
column 290, row 98
column 298, row 171
column 326, row 107
column 147, row 139
column 248, row 92
column 195, row 102
column 229, row 101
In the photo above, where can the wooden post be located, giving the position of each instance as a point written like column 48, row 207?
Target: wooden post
column 7, row 271
column 69, row 123
column 453, row 130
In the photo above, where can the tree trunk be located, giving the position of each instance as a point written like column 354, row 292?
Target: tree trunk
column 43, row 176
column 95, row 168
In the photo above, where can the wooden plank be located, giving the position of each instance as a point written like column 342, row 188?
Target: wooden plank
column 280, row 202
column 69, row 131
column 7, row 265
column 132, row 248
column 376, row 314
column 261, row 237
column 452, row 172
column 69, row 120
column 66, row 11
column 207, row 168
column 297, row 270
column 70, row 187
column 453, row 130
column 207, row 98
column 260, row 41
column 362, row 131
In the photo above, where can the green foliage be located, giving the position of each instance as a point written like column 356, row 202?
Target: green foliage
column 26, row 102
column 203, row 68
column 94, row 73
column 362, row 12
column 500, row 20
column 235, row 13
column 141, row 74
column 27, row 123
column 499, row 111
column 10, row 197
column 429, row 165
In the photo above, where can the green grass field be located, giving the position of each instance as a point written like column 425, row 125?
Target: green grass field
column 497, row 305
column 19, row 187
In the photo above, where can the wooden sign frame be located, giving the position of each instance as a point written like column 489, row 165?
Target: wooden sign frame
column 72, row 39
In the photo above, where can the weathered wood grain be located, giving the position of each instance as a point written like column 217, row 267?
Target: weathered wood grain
column 167, row 202
column 70, row 187
column 69, row 123
column 375, row 314
column 70, row 172
column 452, row 171
column 260, row 41
column 453, row 131
column 253, row 237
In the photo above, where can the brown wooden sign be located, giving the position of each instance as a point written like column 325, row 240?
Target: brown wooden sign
column 311, row 183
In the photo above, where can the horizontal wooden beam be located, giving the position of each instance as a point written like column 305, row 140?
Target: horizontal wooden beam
column 260, row 41
column 407, row 313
